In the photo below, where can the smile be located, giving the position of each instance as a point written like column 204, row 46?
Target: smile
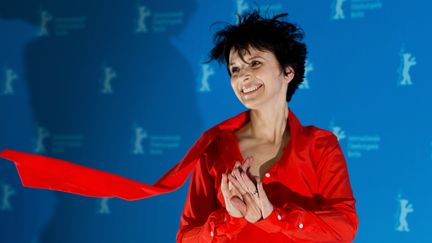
column 251, row 89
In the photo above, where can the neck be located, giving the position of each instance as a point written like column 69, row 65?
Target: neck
column 269, row 124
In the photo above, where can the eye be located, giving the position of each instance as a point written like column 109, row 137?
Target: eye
column 234, row 70
column 255, row 63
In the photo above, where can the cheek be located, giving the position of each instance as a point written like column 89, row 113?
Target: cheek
column 263, row 75
column 272, row 82
column 233, row 82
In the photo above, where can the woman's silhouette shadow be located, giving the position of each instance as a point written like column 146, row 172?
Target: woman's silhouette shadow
column 152, row 87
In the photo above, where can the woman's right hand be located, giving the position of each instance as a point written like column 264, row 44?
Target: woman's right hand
column 231, row 194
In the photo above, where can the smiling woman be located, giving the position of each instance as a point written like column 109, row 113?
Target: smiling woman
column 256, row 177
column 266, row 177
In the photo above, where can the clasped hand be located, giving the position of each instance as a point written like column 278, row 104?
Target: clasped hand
column 244, row 195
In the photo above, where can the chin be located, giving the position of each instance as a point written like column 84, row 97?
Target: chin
column 252, row 105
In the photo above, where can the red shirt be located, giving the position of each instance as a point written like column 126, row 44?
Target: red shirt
column 309, row 188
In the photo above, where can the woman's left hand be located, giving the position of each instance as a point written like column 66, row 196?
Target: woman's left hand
column 256, row 202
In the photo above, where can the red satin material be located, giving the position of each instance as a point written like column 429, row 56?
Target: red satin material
column 309, row 185
column 44, row 172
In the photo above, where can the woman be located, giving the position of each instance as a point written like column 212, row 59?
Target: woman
column 258, row 176
column 293, row 185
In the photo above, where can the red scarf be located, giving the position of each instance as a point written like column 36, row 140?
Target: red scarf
column 39, row 171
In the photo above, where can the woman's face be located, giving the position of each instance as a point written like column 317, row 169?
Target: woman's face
column 258, row 80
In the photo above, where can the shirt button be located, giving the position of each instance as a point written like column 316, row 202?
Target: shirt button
column 211, row 234
column 279, row 217
column 267, row 175
column 301, row 226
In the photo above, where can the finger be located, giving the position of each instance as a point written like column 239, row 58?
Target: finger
column 247, row 164
column 258, row 195
column 266, row 205
column 233, row 191
column 239, row 178
column 251, row 204
column 251, row 187
column 262, row 194
column 224, row 186
column 239, row 205
column 236, row 164
column 247, row 167
column 236, row 184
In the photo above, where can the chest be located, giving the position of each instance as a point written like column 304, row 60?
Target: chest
column 289, row 169
column 265, row 154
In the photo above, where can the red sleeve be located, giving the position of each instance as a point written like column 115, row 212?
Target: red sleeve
column 202, row 220
column 335, row 219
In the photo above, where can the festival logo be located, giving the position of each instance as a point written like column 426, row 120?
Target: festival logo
column 357, row 145
column 207, row 71
column 139, row 135
column 143, row 14
column 337, row 130
column 308, row 68
column 60, row 26
column 353, row 9
column 9, row 77
column 407, row 60
column 107, row 76
column 45, row 17
column 151, row 21
column 41, row 136
column 404, row 208
column 145, row 143
column 103, row 206
column 8, row 191
column 338, row 12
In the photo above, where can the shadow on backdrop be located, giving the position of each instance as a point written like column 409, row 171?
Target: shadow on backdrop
column 154, row 88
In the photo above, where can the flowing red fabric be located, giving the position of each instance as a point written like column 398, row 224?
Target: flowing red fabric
column 37, row 171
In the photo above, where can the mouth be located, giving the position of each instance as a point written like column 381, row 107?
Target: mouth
column 250, row 90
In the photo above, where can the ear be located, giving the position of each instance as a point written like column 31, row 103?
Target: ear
column 288, row 74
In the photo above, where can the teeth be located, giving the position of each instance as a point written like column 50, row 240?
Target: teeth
column 250, row 89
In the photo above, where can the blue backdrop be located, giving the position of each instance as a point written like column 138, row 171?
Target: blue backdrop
column 121, row 86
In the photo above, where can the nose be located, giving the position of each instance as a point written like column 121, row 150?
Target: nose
column 245, row 74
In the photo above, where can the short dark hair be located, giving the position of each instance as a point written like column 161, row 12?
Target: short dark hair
column 282, row 38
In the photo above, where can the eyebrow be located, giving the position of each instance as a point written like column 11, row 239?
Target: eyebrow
column 252, row 57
